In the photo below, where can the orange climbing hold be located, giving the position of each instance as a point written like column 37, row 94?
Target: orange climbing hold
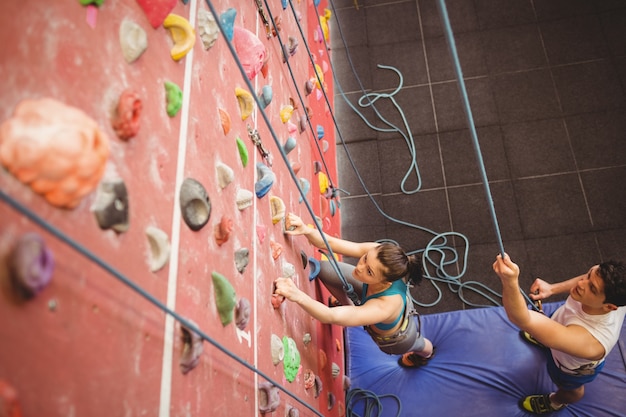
column 223, row 229
column 57, row 150
column 225, row 119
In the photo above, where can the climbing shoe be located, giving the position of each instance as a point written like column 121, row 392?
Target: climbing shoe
column 539, row 404
column 528, row 338
column 413, row 360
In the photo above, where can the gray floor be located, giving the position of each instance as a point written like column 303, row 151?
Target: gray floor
column 546, row 80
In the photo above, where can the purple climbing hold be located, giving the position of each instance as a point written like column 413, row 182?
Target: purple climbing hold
column 268, row 397
column 242, row 313
column 192, row 348
column 30, row 265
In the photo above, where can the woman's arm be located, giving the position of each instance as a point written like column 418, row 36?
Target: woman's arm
column 373, row 311
column 295, row 226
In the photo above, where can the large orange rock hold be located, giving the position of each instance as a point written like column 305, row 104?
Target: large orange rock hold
column 57, row 150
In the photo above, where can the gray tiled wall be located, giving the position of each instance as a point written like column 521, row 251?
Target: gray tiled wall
column 546, row 81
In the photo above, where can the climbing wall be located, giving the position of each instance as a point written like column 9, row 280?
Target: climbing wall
column 146, row 96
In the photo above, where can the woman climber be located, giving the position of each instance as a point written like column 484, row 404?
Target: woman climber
column 378, row 279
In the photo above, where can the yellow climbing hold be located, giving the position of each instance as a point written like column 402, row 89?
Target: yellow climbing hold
column 286, row 112
column 246, row 102
column 323, row 182
column 320, row 76
column 277, row 207
column 182, row 33
column 324, row 23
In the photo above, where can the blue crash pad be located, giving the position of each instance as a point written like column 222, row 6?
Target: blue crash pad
column 482, row 369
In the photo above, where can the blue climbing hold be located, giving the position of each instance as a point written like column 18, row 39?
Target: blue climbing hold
column 289, row 144
column 306, row 186
column 320, row 132
column 315, row 268
column 266, row 96
column 265, row 181
column 228, row 23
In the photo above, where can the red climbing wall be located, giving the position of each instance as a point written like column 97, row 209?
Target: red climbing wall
column 90, row 345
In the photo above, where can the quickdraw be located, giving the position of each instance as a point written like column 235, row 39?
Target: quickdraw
column 256, row 139
column 264, row 18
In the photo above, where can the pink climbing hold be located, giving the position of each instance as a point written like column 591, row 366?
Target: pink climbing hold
column 156, row 10
column 251, row 52
column 277, row 249
column 223, row 229
column 126, row 120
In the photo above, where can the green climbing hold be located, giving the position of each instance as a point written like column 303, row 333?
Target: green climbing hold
column 243, row 151
column 225, row 297
column 88, row 2
column 174, row 97
column 291, row 360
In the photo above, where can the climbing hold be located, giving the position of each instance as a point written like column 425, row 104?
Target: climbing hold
column 250, row 51
column 133, row 40
column 282, row 3
column 293, row 412
column 225, row 174
column 331, row 400
column 243, row 151
column 277, row 299
column 318, row 79
column 126, row 120
column 265, row 96
column 289, row 270
column 289, row 145
column 245, row 101
column 277, row 208
column 195, row 205
column 315, row 268
column 304, row 258
column 291, row 361
column 291, row 128
column 207, row 28
column 242, row 313
column 156, row 11
column 325, row 145
column 290, row 48
column 228, row 23
column 94, row 2
column 320, row 132
column 159, row 248
column 318, row 386
column 277, row 349
column 347, row 383
column 225, row 297
column 305, row 186
column 317, row 166
column 323, row 182
column 30, row 265
column 295, row 167
column 324, row 23
column 223, row 229
column 111, row 205
column 261, row 231
column 182, row 33
column 309, row 85
column 241, row 259
column 244, row 198
column 309, row 379
column 306, row 339
column 173, row 98
column 333, row 208
column 225, row 120
column 269, row 398
column 276, row 248
column 335, row 370
column 57, row 150
column 265, row 179
column 286, row 112
column 322, row 359
column 192, row 348
column 9, row 401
